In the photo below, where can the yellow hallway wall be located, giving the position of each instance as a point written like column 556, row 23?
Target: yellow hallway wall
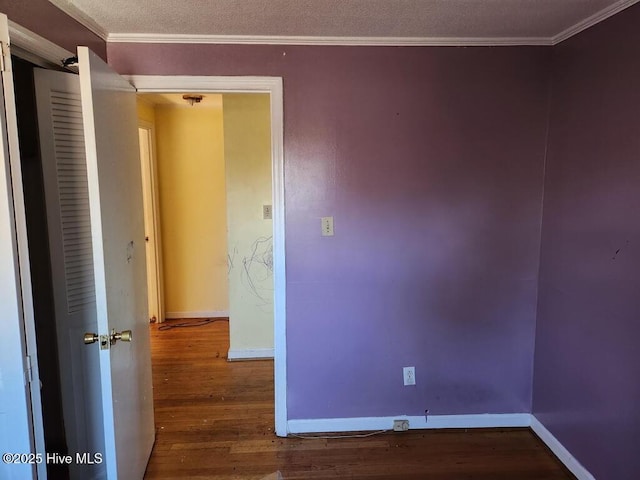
column 191, row 171
column 146, row 111
column 247, row 137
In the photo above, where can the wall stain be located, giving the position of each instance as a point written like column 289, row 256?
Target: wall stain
column 618, row 250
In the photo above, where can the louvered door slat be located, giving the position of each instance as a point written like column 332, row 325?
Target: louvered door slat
column 68, row 138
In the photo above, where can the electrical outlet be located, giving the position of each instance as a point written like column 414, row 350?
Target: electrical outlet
column 267, row 212
column 409, row 374
column 400, row 425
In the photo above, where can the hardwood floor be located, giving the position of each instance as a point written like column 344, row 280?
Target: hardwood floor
column 214, row 420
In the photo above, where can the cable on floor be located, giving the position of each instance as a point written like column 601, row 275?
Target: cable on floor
column 193, row 323
column 331, row 437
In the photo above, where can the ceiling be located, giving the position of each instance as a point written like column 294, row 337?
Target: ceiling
column 351, row 21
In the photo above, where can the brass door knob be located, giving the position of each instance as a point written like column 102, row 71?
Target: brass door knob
column 91, row 338
column 125, row 336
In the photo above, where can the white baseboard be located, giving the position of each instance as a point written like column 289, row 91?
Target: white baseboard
column 205, row 314
column 359, row 424
column 415, row 422
column 250, row 354
column 560, row 451
column 503, row 420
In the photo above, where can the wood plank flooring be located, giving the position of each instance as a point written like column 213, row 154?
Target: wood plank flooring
column 214, row 420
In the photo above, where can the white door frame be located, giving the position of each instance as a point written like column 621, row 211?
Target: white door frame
column 272, row 86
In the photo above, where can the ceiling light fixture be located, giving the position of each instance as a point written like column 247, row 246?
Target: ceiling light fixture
column 192, row 99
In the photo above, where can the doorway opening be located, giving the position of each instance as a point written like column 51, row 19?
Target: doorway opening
column 208, row 189
column 209, row 202
column 243, row 85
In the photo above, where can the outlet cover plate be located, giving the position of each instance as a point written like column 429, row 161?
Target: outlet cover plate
column 409, row 375
column 400, row 425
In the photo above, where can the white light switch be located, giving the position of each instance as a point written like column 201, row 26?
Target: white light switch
column 267, row 212
column 327, row 226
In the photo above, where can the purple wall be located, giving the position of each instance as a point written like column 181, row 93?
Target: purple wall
column 430, row 160
column 587, row 362
column 43, row 18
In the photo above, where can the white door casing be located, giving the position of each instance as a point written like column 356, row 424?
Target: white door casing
column 117, row 226
column 274, row 87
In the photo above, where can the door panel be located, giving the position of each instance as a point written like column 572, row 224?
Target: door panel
column 117, row 227
column 64, row 171
column 146, row 164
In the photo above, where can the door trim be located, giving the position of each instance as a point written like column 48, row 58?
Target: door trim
column 272, row 86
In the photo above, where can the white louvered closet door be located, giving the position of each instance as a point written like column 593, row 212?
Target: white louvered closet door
column 67, row 203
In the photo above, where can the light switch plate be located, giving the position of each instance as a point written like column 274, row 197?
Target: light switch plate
column 327, row 226
column 267, row 212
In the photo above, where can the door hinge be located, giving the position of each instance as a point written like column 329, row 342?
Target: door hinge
column 3, row 50
column 28, row 370
column 5, row 56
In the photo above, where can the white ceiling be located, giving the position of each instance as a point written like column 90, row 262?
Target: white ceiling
column 548, row 20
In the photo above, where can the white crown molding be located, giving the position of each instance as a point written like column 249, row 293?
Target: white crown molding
column 592, row 20
column 34, row 48
column 339, row 41
column 82, row 18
